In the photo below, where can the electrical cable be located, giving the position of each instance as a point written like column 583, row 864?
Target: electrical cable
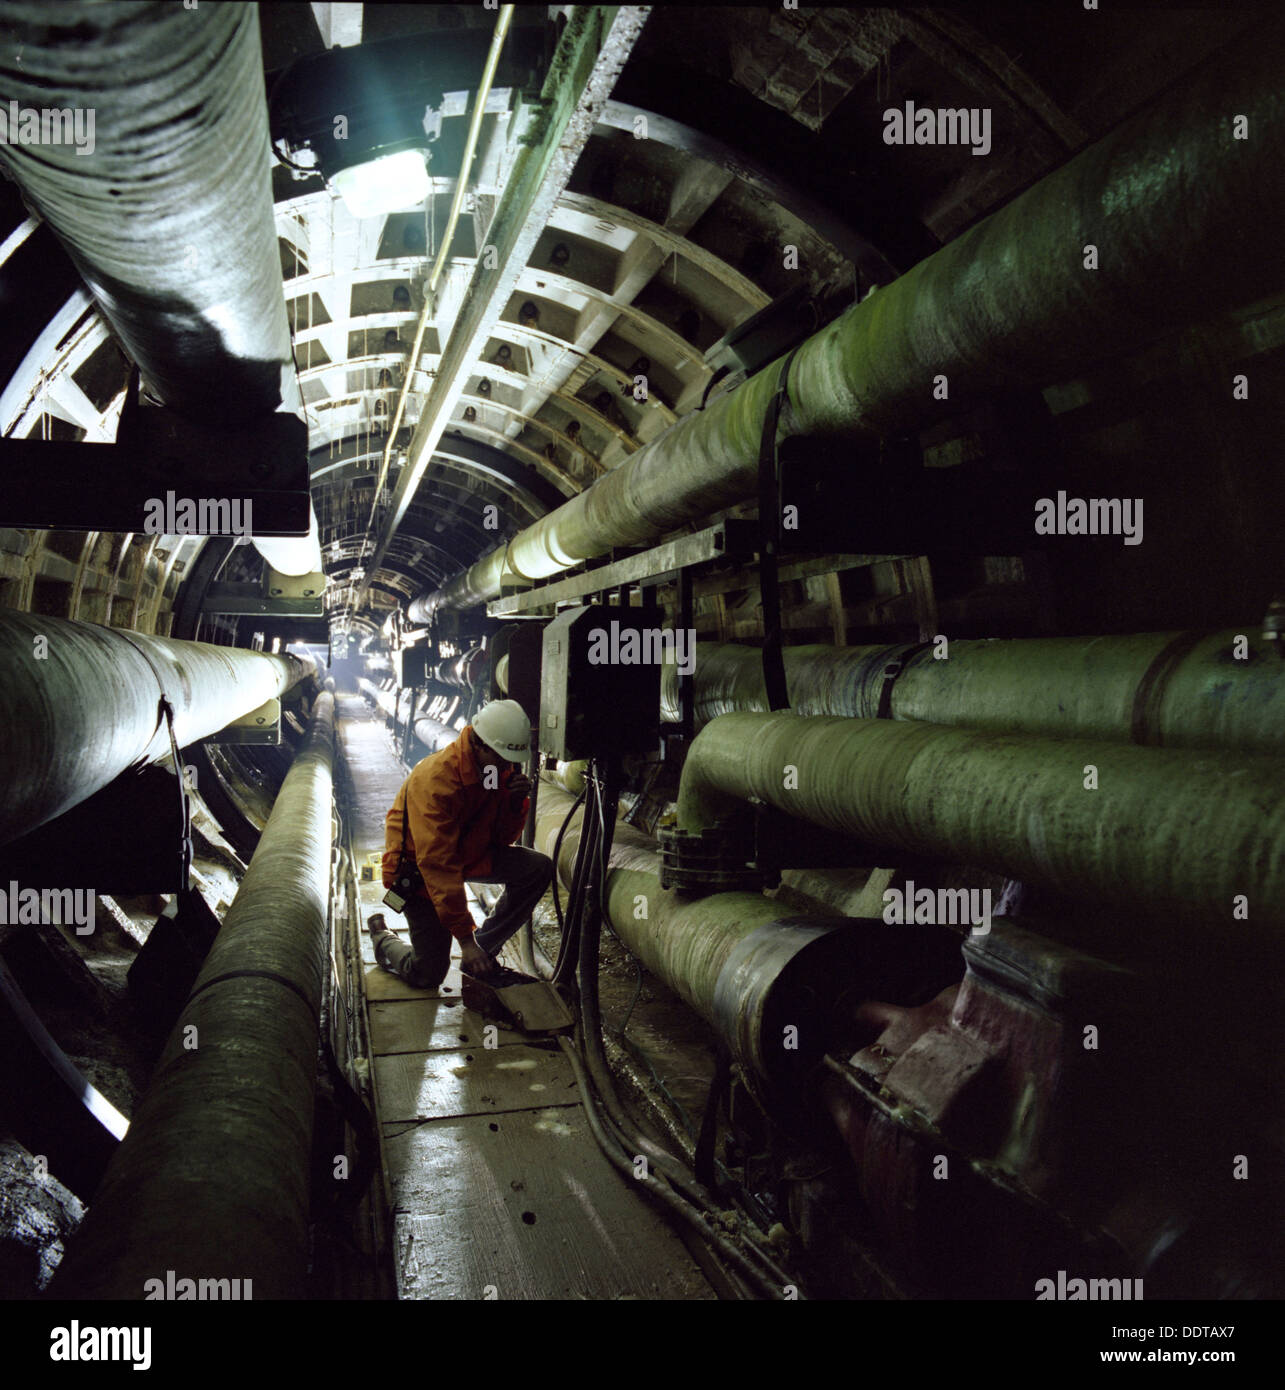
column 557, row 853
column 712, row 382
column 347, row 1195
column 280, row 154
column 703, row 1164
column 639, row 1055
column 756, row 1280
column 685, row 1182
column 568, row 948
column 578, row 957
column 590, row 1011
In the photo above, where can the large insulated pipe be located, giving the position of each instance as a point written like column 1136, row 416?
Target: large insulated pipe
column 293, row 555
column 1171, row 689
column 384, row 700
column 1007, row 305
column 212, row 1179
column 1173, row 832
column 434, row 735
column 569, row 776
column 166, row 206
column 462, row 672
column 747, row 968
column 80, row 704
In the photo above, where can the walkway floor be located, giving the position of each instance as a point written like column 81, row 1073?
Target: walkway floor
column 497, row 1186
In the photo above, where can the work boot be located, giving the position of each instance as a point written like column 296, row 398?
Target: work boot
column 380, row 936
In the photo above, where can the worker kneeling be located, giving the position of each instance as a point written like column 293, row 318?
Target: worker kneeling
column 455, row 819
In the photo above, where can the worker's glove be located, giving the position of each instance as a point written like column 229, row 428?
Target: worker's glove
column 519, row 784
column 475, row 961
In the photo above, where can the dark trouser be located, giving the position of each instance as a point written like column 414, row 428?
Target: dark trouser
column 525, row 874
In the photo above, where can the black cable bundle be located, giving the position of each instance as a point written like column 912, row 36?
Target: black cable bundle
column 620, row 1140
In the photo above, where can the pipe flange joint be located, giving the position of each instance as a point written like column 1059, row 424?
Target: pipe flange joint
column 719, row 859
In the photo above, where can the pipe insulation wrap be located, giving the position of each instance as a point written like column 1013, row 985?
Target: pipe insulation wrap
column 1170, row 689
column 384, row 700
column 1166, row 831
column 294, row 555
column 467, row 590
column 80, row 704
column 212, row 1178
column 686, row 942
column 569, row 776
column 739, row 959
column 1005, row 306
column 434, row 735
column 169, row 219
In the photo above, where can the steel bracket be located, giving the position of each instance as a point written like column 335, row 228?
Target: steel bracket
column 260, row 726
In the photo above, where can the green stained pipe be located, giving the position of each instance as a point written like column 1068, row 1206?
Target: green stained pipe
column 685, row 942
column 745, row 966
column 1175, row 832
column 212, row 1180
column 1173, row 689
column 569, row 776
column 1008, row 305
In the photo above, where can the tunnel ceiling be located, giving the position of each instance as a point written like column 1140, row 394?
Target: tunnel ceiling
column 764, row 130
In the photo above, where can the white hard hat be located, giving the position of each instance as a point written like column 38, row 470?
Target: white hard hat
column 504, row 726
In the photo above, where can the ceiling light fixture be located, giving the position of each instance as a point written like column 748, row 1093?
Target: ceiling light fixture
column 395, row 182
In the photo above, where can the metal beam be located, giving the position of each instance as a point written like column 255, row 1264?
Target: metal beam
column 686, row 199
column 594, row 46
column 248, row 600
column 588, row 360
column 622, row 117
column 729, row 540
column 696, row 192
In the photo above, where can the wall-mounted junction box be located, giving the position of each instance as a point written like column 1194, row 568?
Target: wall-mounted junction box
column 411, row 665
column 600, row 681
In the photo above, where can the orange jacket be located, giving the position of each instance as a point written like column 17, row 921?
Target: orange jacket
column 455, row 821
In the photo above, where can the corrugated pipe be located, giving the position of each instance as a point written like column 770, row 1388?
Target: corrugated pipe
column 166, row 205
column 212, row 1179
column 1171, row 689
column 80, row 704
column 1170, row 832
column 1007, row 305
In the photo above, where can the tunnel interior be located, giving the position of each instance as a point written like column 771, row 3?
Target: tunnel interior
column 846, row 433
